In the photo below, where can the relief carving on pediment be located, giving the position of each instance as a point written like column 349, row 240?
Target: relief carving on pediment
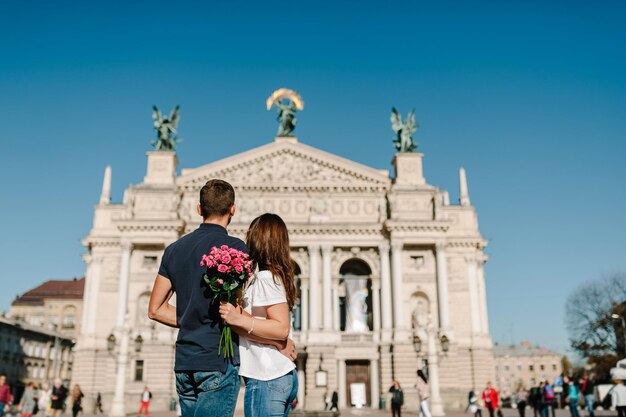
column 288, row 167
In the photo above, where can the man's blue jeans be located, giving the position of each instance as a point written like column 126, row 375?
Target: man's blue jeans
column 270, row 398
column 208, row 393
column 589, row 400
column 2, row 405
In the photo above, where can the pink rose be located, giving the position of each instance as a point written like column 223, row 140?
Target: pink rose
column 219, row 281
column 223, row 268
column 224, row 247
column 225, row 259
column 236, row 262
column 239, row 269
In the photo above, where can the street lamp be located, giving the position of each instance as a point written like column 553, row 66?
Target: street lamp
column 138, row 343
column 417, row 343
column 445, row 343
column 615, row 316
column 111, row 342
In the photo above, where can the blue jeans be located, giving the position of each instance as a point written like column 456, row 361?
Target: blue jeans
column 589, row 400
column 2, row 405
column 270, row 398
column 573, row 407
column 208, row 393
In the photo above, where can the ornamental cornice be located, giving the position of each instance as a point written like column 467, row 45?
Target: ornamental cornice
column 417, row 226
column 150, row 226
column 470, row 243
column 321, row 230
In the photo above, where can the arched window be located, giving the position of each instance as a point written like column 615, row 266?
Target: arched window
column 68, row 320
column 297, row 310
column 355, row 301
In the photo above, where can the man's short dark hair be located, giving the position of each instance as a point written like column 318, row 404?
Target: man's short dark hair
column 216, row 198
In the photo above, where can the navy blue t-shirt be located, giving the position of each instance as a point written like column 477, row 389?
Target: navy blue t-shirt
column 198, row 320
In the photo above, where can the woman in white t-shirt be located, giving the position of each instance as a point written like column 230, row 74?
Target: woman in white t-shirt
column 270, row 377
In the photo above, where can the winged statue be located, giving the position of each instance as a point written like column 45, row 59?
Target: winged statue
column 287, row 102
column 166, row 139
column 404, row 131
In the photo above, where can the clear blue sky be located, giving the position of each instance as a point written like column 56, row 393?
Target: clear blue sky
column 529, row 96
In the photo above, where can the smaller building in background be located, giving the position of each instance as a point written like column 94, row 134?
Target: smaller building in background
column 524, row 365
column 55, row 305
column 33, row 354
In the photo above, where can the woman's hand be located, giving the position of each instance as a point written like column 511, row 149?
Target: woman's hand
column 231, row 314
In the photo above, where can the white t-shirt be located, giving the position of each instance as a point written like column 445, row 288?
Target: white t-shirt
column 263, row 362
column 145, row 397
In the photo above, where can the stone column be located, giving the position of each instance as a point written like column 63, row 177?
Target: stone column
column 87, row 294
column 436, row 405
column 442, row 286
column 327, row 299
column 304, row 307
column 375, row 387
column 336, row 316
column 385, row 290
column 482, row 298
column 396, row 268
column 341, row 384
column 301, row 387
column 473, row 293
column 314, row 313
column 94, row 289
column 118, row 405
column 376, row 307
column 122, row 291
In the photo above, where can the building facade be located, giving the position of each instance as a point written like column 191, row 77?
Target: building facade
column 33, row 354
column 54, row 305
column 524, row 365
column 390, row 275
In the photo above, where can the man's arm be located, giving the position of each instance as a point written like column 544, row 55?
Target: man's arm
column 159, row 308
column 286, row 347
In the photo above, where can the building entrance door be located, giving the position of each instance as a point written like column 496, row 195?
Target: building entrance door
column 358, row 372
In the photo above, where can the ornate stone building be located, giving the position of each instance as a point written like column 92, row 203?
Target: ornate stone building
column 31, row 353
column 524, row 365
column 54, row 305
column 390, row 275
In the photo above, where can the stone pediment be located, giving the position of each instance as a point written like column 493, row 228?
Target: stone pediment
column 287, row 165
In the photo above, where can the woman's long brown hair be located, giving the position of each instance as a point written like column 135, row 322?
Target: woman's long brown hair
column 268, row 242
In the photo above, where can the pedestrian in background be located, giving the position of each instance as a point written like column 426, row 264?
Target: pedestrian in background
column 6, row 398
column 472, row 404
column 334, row 400
column 521, row 398
column 548, row 394
column 618, row 397
column 57, row 398
column 43, row 400
column 397, row 399
column 424, row 393
column 146, row 396
column 491, row 399
column 572, row 397
column 77, row 400
column 587, row 390
column 28, row 401
column 533, row 399
column 99, row 403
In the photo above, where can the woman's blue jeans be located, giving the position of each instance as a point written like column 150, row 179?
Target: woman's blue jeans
column 271, row 398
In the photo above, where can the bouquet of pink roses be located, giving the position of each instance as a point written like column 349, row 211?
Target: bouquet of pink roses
column 228, row 270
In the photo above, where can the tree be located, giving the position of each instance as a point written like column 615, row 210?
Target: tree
column 566, row 365
column 594, row 334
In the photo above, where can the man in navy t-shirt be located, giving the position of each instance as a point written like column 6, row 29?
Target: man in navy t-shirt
column 206, row 382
